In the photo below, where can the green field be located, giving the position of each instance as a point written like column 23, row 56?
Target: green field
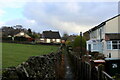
column 14, row 54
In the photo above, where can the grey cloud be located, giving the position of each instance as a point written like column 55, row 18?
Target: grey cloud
column 69, row 17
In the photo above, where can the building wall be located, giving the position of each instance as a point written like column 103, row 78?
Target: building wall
column 93, row 35
column 48, row 40
column 119, row 53
column 112, row 26
column 43, row 40
column 98, row 33
column 58, row 40
column 114, row 53
column 119, row 24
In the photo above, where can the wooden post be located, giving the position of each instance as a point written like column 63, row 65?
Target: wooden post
column 81, row 44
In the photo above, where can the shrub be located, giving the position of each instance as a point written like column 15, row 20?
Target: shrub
column 20, row 39
column 77, row 45
column 77, row 42
column 69, row 43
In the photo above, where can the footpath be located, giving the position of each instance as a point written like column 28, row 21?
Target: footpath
column 68, row 74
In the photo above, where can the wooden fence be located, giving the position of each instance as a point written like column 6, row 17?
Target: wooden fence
column 99, row 74
column 105, row 76
column 86, row 71
column 82, row 70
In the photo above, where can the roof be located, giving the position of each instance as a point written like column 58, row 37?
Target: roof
column 22, row 34
column 102, row 24
column 99, row 61
column 93, row 40
column 71, row 38
column 112, row 36
column 51, row 34
column 96, row 27
column 11, row 31
column 112, row 58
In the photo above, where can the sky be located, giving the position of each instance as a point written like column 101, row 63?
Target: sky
column 71, row 16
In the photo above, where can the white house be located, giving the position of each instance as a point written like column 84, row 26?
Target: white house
column 50, row 37
column 105, row 38
column 22, row 34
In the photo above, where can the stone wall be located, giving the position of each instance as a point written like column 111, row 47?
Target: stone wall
column 35, row 68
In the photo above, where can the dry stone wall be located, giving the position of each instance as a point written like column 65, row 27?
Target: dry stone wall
column 35, row 68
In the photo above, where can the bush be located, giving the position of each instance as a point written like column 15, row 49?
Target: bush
column 69, row 43
column 77, row 45
column 7, row 38
column 20, row 39
column 77, row 42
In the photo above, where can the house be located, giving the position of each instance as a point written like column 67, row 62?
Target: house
column 50, row 37
column 22, row 36
column 105, row 38
column 71, row 37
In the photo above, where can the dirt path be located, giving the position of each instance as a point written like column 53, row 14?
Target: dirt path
column 68, row 69
column 64, row 69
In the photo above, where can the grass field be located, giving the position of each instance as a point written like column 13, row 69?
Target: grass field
column 14, row 54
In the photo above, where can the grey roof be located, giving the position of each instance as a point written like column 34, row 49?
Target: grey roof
column 112, row 58
column 51, row 34
column 11, row 31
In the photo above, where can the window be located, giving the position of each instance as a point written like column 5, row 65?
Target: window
column 57, row 40
column 89, row 47
column 53, row 39
column 22, row 33
column 113, row 45
column 94, row 46
column 118, row 44
column 109, row 45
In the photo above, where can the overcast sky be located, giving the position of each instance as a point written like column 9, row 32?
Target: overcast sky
column 63, row 16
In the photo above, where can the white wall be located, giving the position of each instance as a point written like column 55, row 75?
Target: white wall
column 115, row 53
column 119, row 24
column 93, row 35
column 96, row 34
column 58, row 40
column 112, row 26
column 119, row 53
column 48, row 40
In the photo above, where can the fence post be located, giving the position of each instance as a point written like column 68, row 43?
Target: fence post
column 100, row 69
column 81, row 44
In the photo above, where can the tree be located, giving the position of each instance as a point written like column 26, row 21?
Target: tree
column 65, row 36
column 29, row 31
column 79, row 44
column 18, row 26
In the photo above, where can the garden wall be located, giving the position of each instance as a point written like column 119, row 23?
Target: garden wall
column 35, row 68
